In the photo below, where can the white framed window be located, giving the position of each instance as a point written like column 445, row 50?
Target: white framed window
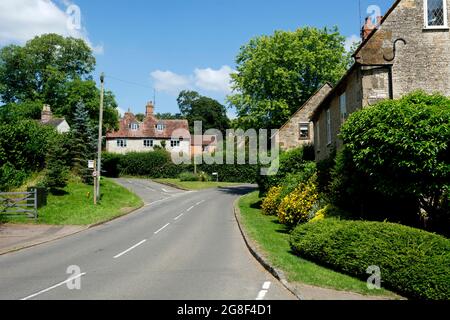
column 174, row 143
column 435, row 12
column 160, row 127
column 343, row 107
column 329, row 126
column 304, row 131
column 148, row 143
column 121, row 143
column 134, row 126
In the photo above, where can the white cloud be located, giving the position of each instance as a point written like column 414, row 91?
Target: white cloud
column 170, row 82
column 350, row 41
column 22, row 20
column 214, row 80
column 207, row 79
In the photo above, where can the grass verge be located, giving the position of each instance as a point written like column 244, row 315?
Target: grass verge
column 273, row 239
column 196, row 185
column 75, row 207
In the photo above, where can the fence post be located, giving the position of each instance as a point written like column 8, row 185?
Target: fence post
column 35, row 204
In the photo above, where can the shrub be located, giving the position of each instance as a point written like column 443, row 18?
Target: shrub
column 296, row 207
column 290, row 162
column 204, row 177
column 10, row 177
column 272, row 201
column 413, row 262
column 57, row 172
column 401, row 150
column 188, row 176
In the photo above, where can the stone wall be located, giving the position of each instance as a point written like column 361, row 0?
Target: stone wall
column 289, row 135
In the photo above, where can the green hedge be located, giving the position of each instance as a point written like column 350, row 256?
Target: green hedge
column 413, row 262
column 158, row 164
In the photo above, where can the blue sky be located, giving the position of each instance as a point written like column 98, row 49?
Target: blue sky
column 175, row 44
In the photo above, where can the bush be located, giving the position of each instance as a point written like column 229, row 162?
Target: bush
column 413, row 262
column 272, row 201
column 10, row 177
column 400, row 149
column 188, row 176
column 291, row 162
column 297, row 207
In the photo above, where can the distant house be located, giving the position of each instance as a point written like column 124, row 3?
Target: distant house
column 203, row 144
column 299, row 129
column 60, row 124
column 141, row 136
column 406, row 50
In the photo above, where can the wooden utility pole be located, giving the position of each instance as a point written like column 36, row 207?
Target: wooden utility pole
column 95, row 185
column 100, row 137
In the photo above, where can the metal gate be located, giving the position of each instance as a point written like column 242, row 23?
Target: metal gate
column 18, row 203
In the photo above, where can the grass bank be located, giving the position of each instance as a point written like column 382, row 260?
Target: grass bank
column 74, row 206
column 273, row 240
column 196, row 185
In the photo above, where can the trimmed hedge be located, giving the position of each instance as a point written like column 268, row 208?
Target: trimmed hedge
column 158, row 164
column 413, row 262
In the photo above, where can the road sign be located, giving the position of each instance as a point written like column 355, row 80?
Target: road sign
column 94, row 174
column 91, row 164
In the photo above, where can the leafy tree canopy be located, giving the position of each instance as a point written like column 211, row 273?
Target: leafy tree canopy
column 276, row 74
column 195, row 107
column 51, row 69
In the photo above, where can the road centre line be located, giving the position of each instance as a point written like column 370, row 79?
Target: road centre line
column 129, row 249
column 55, row 286
column 179, row 217
column 156, row 232
column 190, row 208
column 199, row 203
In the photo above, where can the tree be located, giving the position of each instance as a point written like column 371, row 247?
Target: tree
column 57, row 171
column 38, row 69
column 83, row 142
column 401, row 148
column 195, row 107
column 277, row 74
column 51, row 69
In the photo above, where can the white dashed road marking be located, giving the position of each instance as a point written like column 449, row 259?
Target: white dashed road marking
column 179, row 217
column 55, row 286
column 128, row 250
column 156, row 232
column 263, row 292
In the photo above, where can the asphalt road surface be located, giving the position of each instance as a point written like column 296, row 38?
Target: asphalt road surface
column 180, row 246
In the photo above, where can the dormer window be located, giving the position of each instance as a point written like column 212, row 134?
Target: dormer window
column 435, row 14
column 134, row 126
column 160, row 127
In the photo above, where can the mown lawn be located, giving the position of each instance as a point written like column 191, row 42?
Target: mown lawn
column 75, row 205
column 196, row 185
column 273, row 239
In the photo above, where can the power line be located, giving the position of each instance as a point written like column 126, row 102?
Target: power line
column 130, row 82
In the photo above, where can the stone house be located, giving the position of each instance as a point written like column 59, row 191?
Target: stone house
column 405, row 50
column 299, row 129
column 60, row 124
column 137, row 136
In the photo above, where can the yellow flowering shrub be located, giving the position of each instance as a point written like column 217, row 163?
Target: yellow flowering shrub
column 321, row 214
column 296, row 207
column 271, row 201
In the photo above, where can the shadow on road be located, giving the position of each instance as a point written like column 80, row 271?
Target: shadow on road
column 240, row 191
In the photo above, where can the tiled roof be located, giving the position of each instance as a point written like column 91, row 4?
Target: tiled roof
column 54, row 122
column 204, row 140
column 148, row 128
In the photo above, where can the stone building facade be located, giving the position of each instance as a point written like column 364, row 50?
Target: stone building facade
column 408, row 49
column 299, row 130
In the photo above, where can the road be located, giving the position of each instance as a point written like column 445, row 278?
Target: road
column 180, row 246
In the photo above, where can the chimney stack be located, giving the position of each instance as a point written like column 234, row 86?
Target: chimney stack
column 369, row 26
column 46, row 114
column 149, row 109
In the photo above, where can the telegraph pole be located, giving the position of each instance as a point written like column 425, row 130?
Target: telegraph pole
column 100, row 137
